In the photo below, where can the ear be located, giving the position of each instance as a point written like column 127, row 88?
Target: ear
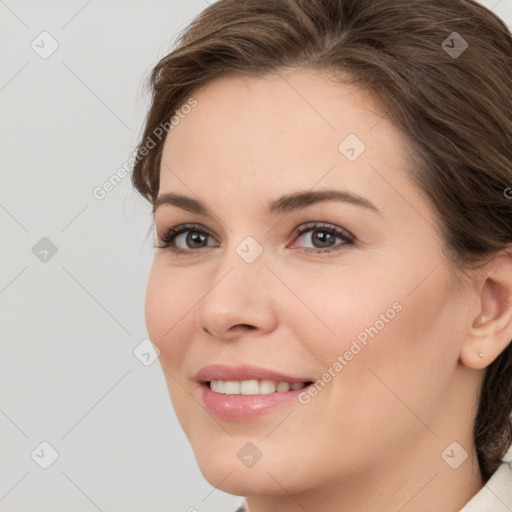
column 491, row 330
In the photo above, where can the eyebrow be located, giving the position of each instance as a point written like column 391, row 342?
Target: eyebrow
column 282, row 205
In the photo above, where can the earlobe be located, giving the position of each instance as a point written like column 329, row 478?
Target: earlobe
column 471, row 358
column 491, row 330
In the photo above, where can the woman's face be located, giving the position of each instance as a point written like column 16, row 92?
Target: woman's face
column 362, row 303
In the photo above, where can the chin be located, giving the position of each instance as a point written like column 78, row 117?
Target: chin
column 227, row 473
column 241, row 481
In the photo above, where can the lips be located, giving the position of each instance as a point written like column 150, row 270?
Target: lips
column 245, row 407
column 244, row 372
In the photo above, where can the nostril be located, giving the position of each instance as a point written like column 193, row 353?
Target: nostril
column 242, row 326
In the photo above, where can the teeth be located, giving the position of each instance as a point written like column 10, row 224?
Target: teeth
column 253, row 387
column 249, row 387
column 217, row 385
column 267, row 387
column 232, row 387
column 283, row 386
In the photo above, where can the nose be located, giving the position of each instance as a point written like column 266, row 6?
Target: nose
column 240, row 301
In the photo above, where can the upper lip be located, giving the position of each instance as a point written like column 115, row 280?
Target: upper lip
column 243, row 372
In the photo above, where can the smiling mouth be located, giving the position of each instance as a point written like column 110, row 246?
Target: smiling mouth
column 254, row 387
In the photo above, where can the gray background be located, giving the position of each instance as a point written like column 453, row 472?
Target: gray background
column 72, row 320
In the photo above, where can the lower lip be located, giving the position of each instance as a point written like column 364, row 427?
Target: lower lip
column 246, row 407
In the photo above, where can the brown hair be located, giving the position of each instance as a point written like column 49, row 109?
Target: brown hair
column 454, row 110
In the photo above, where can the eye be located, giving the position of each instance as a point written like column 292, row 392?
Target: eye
column 323, row 237
column 191, row 237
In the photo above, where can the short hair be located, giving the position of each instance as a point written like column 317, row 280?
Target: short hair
column 442, row 72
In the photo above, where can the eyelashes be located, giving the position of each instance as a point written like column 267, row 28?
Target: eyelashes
column 167, row 240
column 197, row 234
column 332, row 232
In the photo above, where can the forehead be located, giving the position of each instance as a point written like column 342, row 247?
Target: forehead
column 284, row 131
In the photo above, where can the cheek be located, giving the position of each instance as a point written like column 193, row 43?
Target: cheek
column 339, row 305
column 409, row 359
column 403, row 330
column 167, row 306
column 398, row 309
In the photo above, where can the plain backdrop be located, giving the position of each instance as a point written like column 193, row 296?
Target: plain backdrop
column 79, row 393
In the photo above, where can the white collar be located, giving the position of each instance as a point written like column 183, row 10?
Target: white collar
column 495, row 496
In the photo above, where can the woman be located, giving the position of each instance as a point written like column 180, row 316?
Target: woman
column 331, row 292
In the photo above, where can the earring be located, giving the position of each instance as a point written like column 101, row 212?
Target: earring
column 480, row 355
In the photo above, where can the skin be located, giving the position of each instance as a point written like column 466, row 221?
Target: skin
column 372, row 438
